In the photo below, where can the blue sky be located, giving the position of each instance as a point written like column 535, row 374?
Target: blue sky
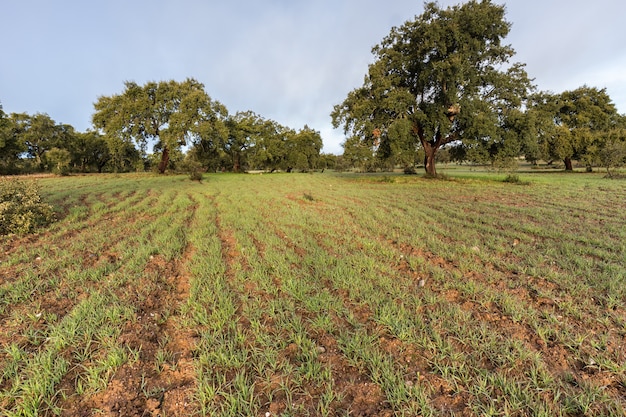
column 289, row 61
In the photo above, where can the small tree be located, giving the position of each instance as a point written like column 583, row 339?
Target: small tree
column 357, row 154
column 613, row 155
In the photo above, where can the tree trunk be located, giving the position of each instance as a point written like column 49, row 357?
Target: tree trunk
column 165, row 160
column 429, row 159
column 568, row 164
column 236, row 162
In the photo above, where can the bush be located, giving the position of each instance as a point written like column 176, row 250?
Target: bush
column 196, row 176
column 192, row 167
column 21, row 208
column 515, row 179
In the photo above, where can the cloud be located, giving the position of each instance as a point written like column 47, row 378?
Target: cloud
column 289, row 61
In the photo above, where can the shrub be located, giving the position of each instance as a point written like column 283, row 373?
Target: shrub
column 195, row 176
column 192, row 167
column 21, row 208
column 515, row 179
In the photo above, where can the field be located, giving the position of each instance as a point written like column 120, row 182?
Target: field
column 318, row 295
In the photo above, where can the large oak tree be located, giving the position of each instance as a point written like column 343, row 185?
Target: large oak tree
column 166, row 113
column 571, row 125
column 441, row 78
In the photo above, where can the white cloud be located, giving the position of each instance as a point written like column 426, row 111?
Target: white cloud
column 290, row 61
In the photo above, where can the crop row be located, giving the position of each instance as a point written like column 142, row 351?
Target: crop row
column 317, row 295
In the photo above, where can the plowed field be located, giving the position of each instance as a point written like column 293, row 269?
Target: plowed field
column 318, row 295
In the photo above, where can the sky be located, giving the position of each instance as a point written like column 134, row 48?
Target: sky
column 290, row 61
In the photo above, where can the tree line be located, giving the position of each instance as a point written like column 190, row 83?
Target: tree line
column 441, row 88
column 178, row 121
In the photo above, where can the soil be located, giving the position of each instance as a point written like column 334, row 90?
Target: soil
column 138, row 388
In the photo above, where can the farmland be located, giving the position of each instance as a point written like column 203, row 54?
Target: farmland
column 318, row 294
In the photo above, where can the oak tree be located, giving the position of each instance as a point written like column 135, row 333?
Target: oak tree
column 441, row 78
column 571, row 125
column 269, row 151
column 303, row 149
column 243, row 130
column 10, row 145
column 167, row 114
column 39, row 134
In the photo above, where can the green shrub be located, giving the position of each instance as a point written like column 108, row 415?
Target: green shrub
column 195, row 176
column 515, row 179
column 192, row 167
column 21, row 208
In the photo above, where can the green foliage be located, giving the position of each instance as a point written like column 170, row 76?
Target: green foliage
column 169, row 113
column 21, row 208
column 59, row 161
column 192, row 167
column 436, row 80
column 244, row 130
column 613, row 155
column 303, row 149
column 573, row 125
column 90, row 152
column 40, row 134
column 10, row 146
column 612, row 152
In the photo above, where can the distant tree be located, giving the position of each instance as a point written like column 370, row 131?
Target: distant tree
column 357, row 154
column 437, row 80
column 208, row 149
column 39, row 134
column 327, row 161
column 58, row 161
column 10, row 146
column 209, row 153
column 499, row 151
column 90, row 151
column 167, row 113
column 303, row 149
column 571, row 125
column 612, row 152
column 269, row 151
column 124, row 156
column 244, row 129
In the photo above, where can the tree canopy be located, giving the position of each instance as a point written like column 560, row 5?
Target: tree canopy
column 10, row 145
column 441, row 78
column 570, row 125
column 166, row 113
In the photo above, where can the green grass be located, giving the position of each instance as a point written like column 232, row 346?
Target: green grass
column 319, row 294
